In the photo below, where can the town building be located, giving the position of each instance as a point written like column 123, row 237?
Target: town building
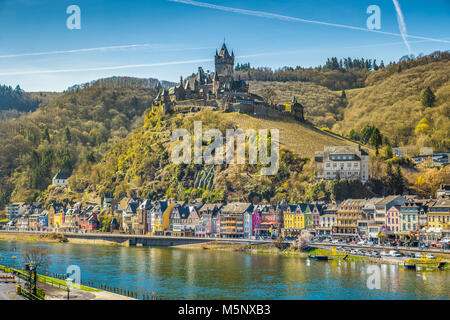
column 382, row 206
column 60, row 179
column 439, row 214
column 342, row 162
column 348, row 214
column 409, row 217
column 393, row 219
column 443, row 192
column 232, row 219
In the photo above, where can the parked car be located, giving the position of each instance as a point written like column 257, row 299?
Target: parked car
column 418, row 255
column 384, row 253
column 430, row 256
column 395, row 253
column 361, row 243
column 410, row 254
column 335, row 241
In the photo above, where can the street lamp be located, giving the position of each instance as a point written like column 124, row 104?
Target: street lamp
column 69, row 282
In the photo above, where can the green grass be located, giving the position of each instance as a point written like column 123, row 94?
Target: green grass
column 63, row 283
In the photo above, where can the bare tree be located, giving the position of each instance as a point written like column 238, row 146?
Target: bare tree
column 269, row 95
column 36, row 256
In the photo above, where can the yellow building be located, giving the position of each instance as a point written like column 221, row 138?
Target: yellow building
column 439, row 214
column 58, row 220
column 294, row 222
column 162, row 221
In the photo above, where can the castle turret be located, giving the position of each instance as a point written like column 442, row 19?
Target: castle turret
column 224, row 64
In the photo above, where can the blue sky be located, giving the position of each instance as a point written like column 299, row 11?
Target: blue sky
column 174, row 38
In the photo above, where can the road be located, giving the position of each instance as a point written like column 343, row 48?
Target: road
column 8, row 291
column 381, row 248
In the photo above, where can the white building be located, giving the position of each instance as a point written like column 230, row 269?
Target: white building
column 60, row 179
column 15, row 210
column 342, row 162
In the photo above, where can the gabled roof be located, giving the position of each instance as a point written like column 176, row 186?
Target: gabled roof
column 132, row 206
column 237, row 207
column 145, row 205
column 183, row 211
column 61, row 176
column 385, row 201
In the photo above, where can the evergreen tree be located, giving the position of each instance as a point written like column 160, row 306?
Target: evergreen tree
column 428, row 98
column 68, row 135
column 399, row 181
column 46, row 135
column 366, row 133
column 376, row 139
column 343, row 95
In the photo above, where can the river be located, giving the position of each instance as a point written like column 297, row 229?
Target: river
column 176, row 273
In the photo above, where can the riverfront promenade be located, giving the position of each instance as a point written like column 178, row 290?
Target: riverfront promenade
column 8, row 289
column 147, row 240
column 138, row 240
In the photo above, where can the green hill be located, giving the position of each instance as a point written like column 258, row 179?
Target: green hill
column 60, row 135
column 140, row 165
column 392, row 101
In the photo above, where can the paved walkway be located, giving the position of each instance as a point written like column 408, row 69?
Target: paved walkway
column 55, row 293
column 8, row 291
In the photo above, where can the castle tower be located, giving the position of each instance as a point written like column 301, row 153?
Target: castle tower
column 224, row 66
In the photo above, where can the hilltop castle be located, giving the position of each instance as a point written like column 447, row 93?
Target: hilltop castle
column 221, row 90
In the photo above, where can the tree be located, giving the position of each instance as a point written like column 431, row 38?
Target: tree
column 302, row 242
column 376, row 139
column 423, row 127
column 428, row 98
column 399, row 181
column 389, row 181
column 388, row 152
column 366, row 133
column 68, row 135
column 343, row 95
column 46, row 135
column 36, row 256
column 269, row 96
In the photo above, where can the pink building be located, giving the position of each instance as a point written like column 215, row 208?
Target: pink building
column 393, row 219
column 256, row 222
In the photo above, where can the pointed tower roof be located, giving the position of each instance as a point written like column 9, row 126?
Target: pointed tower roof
column 224, row 51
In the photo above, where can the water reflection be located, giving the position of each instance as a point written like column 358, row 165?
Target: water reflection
column 199, row 274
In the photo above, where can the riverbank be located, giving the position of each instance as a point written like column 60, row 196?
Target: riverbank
column 272, row 249
column 56, row 289
column 55, row 238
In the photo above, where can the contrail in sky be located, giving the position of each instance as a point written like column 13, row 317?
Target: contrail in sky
column 161, row 64
column 269, row 15
column 129, row 66
column 401, row 24
column 130, row 46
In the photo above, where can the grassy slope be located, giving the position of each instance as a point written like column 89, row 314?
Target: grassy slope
column 323, row 107
column 302, row 139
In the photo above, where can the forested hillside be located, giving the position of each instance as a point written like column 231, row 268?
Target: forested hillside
column 409, row 102
column 140, row 165
column 75, row 127
column 335, row 74
column 16, row 99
